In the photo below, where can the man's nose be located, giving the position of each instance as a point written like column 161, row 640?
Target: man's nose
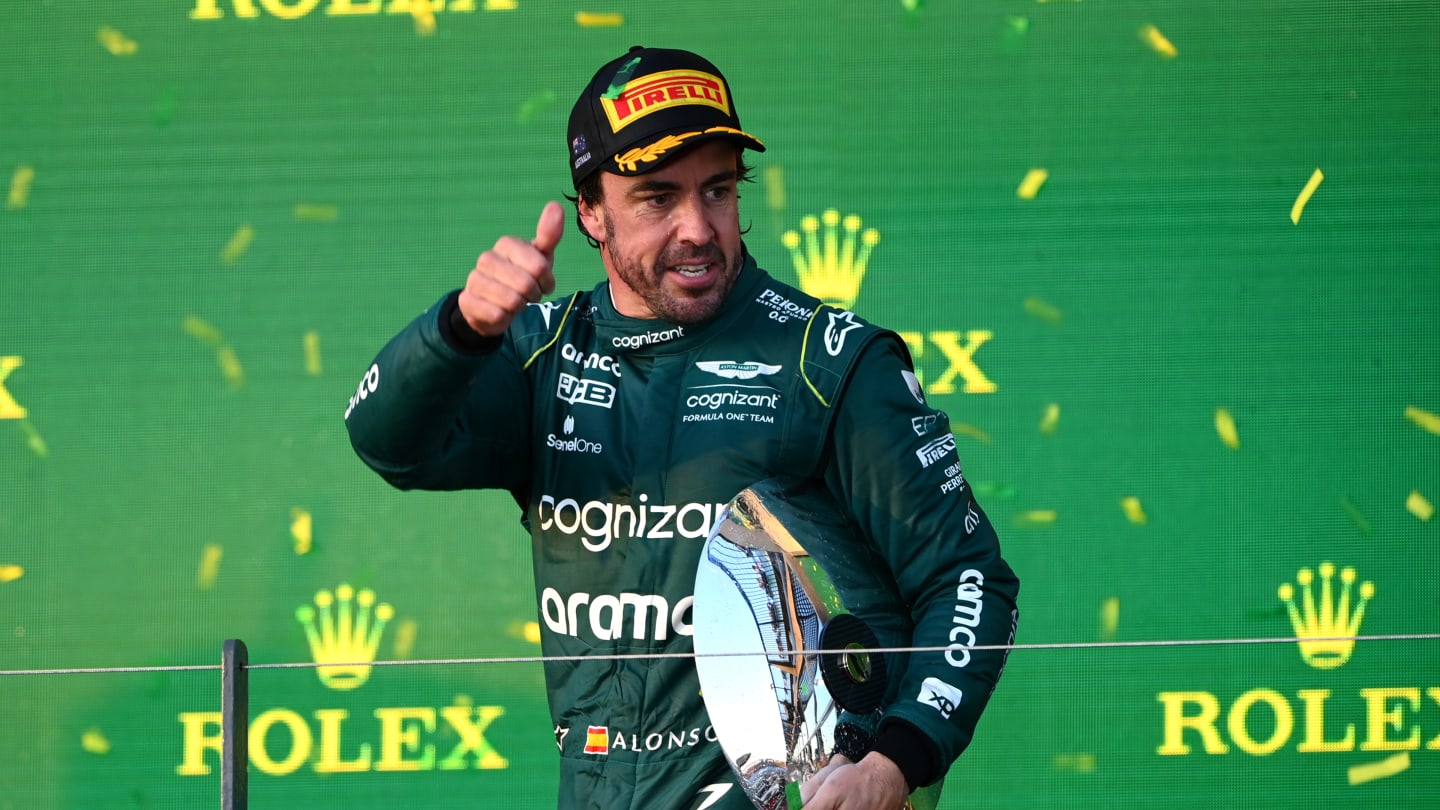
column 691, row 224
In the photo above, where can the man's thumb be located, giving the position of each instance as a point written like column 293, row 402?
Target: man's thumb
column 550, row 228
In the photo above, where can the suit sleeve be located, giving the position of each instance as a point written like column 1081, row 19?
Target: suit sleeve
column 435, row 413
column 893, row 461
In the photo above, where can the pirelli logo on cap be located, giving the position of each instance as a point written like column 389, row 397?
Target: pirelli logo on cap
column 661, row 91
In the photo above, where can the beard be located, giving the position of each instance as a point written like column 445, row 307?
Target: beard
column 679, row 306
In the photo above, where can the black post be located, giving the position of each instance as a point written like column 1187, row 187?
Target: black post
column 235, row 726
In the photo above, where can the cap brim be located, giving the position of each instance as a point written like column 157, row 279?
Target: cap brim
column 649, row 156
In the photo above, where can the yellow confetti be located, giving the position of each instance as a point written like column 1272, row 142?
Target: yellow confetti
column 20, row 187
column 774, row 182
column 1036, row 517
column 202, row 330
column 971, row 431
column 1387, row 767
column 93, row 741
column 1305, row 194
column 313, row 366
column 405, row 633
column 301, row 526
column 238, row 244
column 1426, row 420
column 532, row 632
column 1109, row 618
column 116, row 42
column 501, row 5
column 209, row 567
column 1133, row 510
column 1051, row 420
column 1044, row 310
column 1225, row 426
column 230, row 366
column 314, row 212
column 9, row 408
column 586, row 19
column 10, row 573
column 34, row 440
column 1157, row 42
column 1073, row 763
column 1030, row 186
column 424, row 15
column 1419, row 506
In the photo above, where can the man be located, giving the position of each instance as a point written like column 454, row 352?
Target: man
column 622, row 419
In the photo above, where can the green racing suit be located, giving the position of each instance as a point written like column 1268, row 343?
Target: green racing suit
column 622, row 439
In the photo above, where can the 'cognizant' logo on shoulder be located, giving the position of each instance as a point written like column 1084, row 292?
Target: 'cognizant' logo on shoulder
column 599, row 523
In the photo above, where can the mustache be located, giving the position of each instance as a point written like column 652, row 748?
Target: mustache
column 707, row 255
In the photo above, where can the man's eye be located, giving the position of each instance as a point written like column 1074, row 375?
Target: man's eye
column 718, row 193
column 658, row 200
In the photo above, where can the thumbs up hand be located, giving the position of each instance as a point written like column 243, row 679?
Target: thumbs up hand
column 513, row 273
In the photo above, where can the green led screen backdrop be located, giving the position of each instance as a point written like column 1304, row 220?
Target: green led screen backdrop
column 1171, row 268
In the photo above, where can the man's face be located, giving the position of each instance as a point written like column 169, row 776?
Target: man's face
column 670, row 239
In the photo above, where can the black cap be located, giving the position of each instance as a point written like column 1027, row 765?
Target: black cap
column 641, row 108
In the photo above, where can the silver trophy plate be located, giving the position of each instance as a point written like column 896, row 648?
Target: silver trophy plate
column 763, row 607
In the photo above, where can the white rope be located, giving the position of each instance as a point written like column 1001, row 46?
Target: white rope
column 540, row 659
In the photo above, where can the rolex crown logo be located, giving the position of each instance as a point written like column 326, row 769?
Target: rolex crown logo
column 345, row 640
column 1326, row 628
column 831, row 265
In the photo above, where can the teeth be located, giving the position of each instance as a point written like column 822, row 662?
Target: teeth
column 691, row 269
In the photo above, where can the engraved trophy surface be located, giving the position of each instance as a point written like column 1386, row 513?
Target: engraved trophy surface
column 763, row 608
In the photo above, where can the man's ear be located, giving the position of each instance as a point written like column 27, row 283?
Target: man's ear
column 593, row 218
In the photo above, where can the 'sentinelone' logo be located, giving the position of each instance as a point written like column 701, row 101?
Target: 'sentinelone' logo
column 346, row 636
column 830, row 266
column 1318, row 625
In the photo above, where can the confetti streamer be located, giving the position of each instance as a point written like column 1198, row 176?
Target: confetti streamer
column 990, row 489
column 313, row 366
column 1225, row 427
column 230, row 366
column 1073, row 763
column 1157, row 42
column 970, row 430
column 238, row 244
column 535, row 106
column 586, row 19
column 773, row 178
column 1385, row 768
column 405, row 633
column 9, row 408
column 1044, row 310
column 1030, row 186
column 202, row 330
column 116, row 42
column 1051, row 420
column 1355, row 515
column 1305, row 194
column 209, row 567
column 1426, row 420
column 301, row 527
column 34, row 440
column 93, row 741
column 313, row 212
column 11, row 572
column 20, row 187
column 501, row 5
column 1133, row 510
column 1419, row 506
column 532, row 632
column 1016, row 28
column 1035, row 518
column 1109, row 618
column 424, row 15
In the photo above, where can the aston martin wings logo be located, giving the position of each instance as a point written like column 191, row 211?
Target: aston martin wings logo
column 732, row 370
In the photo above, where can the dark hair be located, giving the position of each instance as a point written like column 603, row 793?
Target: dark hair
column 590, row 193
